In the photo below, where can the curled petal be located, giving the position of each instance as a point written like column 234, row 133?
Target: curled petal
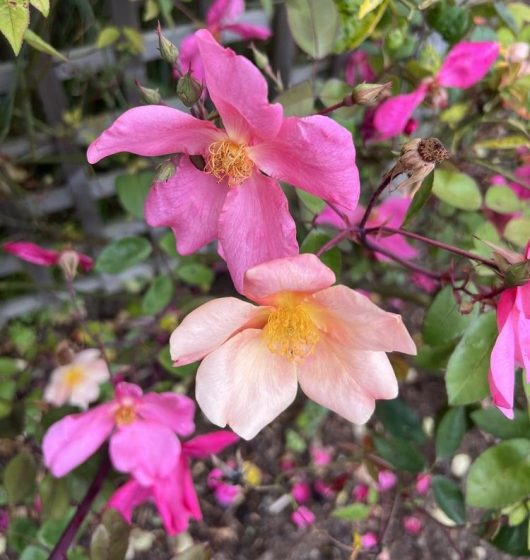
column 32, row 253
column 201, row 447
column 222, row 12
column 249, row 31
column 128, row 497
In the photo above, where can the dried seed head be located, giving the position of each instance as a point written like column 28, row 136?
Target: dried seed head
column 432, row 150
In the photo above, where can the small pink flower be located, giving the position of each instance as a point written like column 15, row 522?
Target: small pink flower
column 78, row 382
column 423, row 483
column 391, row 213
column 301, row 492
column 173, row 494
column 331, row 340
column 360, row 493
column 358, row 69
column 386, row 480
column 323, row 489
column 227, row 494
column 413, row 525
column 369, row 541
column 303, row 517
column 141, row 429
column 215, row 477
column 236, row 199
column 321, row 456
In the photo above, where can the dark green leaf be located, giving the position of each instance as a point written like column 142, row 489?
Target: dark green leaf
column 402, row 454
column 452, row 22
column 182, row 371
column 157, row 296
column 50, row 531
column 450, row 498
column 400, row 420
column 122, row 254
column 19, row 477
column 491, row 420
column 21, row 533
column 132, row 191
column 55, row 497
column 450, row 432
column 513, row 540
column 196, row 274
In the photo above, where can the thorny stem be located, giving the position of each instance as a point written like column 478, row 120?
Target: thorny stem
column 61, row 548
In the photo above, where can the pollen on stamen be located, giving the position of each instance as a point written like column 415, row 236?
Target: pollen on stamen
column 291, row 333
column 125, row 414
column 228, row 160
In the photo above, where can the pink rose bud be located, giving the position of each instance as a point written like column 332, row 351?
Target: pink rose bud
column 410, row 127
column 303, row 517
column 321, row 456
column 369, row 541
column 324, row 489
column 423, row 483
column 215, row 478
column 360, row 493
column 413, row 525
column 301, row 492
column 226, row 494
column 69, row 261
column 386, row 481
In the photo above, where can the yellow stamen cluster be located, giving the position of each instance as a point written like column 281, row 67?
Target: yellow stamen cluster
column 73, row 376
column 125, row 414
column 228, row 160
column 291, row 333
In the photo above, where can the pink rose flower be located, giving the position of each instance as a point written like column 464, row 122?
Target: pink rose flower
column 301, row 492
column 173, row 494
column 331, row 340
column 141, row 429
column 236, row 198
column 303, row 517
column 413, row 525
column 222, row 16
column 360, row 493
column 386, row 480
column 423, row 483
column 358, row 69
column 391, row 212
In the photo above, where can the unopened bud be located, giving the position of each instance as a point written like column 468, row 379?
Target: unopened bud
column 368, row 94
column 260, row 58
column 168, row 51
column 189, row 90
column 149, row 95
column 69, row 261
column 517, row 274
column 165, row 171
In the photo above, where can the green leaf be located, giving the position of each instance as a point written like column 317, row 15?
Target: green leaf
column 450, row 498
column 334, row 91
column 510, row 142
column 400, row 420
column 42, row 5
column 314, row 25
column 450, row 432
column 354, row 31
column 466, row 378
column 14, row 20
column 21, row 533
column 502, row 199
column 167, row 244
column 196, row 274
column 314, row 204
column 513, row 540
column 443, row 320
column 314, row 241
column 107, row 36
column 492, row 420
column 34, row 553
column 400, row 453
column 298, row 100
column 452, row 22
column 456, row 189
column 19, row 477
column 122, row 254
column 7, row 393
column 368, row 6
column 111, row 538
column 164, row 358
column 294, row 441
column 353, row 512
column 132, row 191
column 50, row 532
column 455, row 113
column 33, row 40
column 55, row 497
column 517, row 231
column 157, row 296
column 420, row 199
column 9, row 366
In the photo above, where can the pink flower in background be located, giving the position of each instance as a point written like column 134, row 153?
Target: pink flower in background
column 424, row 282
column 322, row 488
column 303, row 517
column 391, row 212
column 141, row 429
column 369, row 541
column 225, row 494
column 236, row 198
column 360, row 493
column 173, row 494
column 36, row 254
column 330, row 339
column 78, row 382
column 221, row 16
column 413, row 525
column 423, row 483
column 522, row 173
column 512, row 347
column 358, row 69
column 386, row 480
column 321, row 456
column 301, row 492
column 465, row 65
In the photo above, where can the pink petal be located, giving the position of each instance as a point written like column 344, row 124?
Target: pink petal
column 358, row 69
column 168, row 494
column 502, row 369
column 315, row 154
column 189, row 203
column 304, row 273
column 328, row 217
column 226, row 494
column 190, row 58
column 249, row 31
column 352, row 319
column 126, row 390
column 31, row 252
column 85, row 261
column 128, row 497
column 391, row 212
column 396, row 245
column 505, row 306
column 171, row 410
column 201, row 447
column 244, row 385
column 303, row 517
column 245, row 117
column 72, row 440
column 255, row 226
column 207, row 327
column 467, row 63
column 347, row 381
column 391, row 116
column 154, row 130
column 190, row 499
column 224, row 11
column 145, row 450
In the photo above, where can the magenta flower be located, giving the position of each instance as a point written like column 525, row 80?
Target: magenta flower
column 413, row 525
column 320, row 456
column 423, row 483
column 236, row 198
column 221, row 16
column 391, row 212
column 303, row 517
column 173, row 494
column 386, row 480
column 330, row 339
column 360, row 493
column 369, row 541
column 512, row 347
column 301, row 492
column 464, row 66
column 141, row 429
column 358, row 69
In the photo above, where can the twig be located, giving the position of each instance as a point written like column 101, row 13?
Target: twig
column 373, row 199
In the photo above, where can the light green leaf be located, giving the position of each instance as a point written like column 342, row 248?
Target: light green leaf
column 34, row 553
column 132, row 191
column 517, row 231
column 157, row 296
column 122, row 254
column 450, row 432
column 502, row 199
column 298, row 100
column 455, row 113
column 511, row 142
column 55, row 497
column 449, row 497
column 111, row 537
column 42, row 5
column 457, row 189
column 107, row 36
column 353, row 512
column 500, row 476
column 368, row 6
column 33, row 40
column 466, row 378
column 14, row 20
column 314, row 204
column 135, row 41
column 314, row 25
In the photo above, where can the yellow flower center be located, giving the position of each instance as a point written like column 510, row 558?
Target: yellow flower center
column 73, row 376
column 228, row 160
column 291, row 333
column 125, row 414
